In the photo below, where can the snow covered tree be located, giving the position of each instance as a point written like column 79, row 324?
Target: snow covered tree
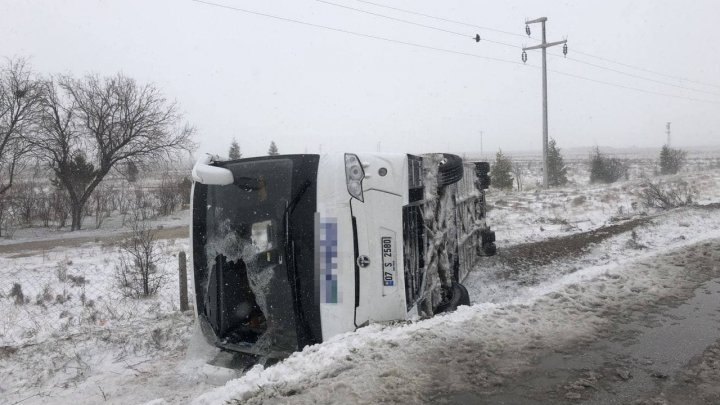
column 604, row 169
column 500, row 172
column 557, row 172
column 273, row 150
column 234, row 152
column 671, row 160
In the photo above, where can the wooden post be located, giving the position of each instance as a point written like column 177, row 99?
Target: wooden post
column 182, row 265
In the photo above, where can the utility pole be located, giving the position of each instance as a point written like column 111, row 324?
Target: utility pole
column 667, row 131
column 544, row 45
column 481, row 148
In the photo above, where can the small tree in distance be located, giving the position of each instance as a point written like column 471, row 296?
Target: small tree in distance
column 132, row 172
column 519, row 173
column 500, row 172
column 273, row 150
column 234, row 152
column 557, row 172
column 604, row 169
column 671, row 160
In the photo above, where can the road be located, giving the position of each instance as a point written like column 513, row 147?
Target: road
column 663, row 351
column 21, row 249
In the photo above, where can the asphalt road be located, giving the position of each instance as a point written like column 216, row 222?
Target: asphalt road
column 28, row 248
column 663, row 352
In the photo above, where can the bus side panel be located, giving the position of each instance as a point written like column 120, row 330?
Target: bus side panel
column 334, row 251
column 380, row 237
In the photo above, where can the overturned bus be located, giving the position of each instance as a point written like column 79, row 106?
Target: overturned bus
column 291, row 250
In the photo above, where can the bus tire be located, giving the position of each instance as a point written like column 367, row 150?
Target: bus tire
column 450, row 170
column 460, row 296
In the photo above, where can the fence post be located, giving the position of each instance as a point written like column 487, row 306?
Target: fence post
column 182, row 265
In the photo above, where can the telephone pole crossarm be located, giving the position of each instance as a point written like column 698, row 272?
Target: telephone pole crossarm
column 547, row 45
column 537, row 20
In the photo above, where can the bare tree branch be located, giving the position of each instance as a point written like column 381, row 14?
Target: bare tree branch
column 19, row 100
column 90, row 125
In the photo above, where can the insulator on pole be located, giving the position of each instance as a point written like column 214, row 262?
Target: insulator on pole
column 477, row 37
column 565, row 49
column 527, row 29
column 524, row 56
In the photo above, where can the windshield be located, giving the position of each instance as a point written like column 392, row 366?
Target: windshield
column 253, row 244
column 246, row 217
column 246, row 285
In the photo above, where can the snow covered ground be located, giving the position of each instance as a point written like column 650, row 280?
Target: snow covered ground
column 534, row 215
column 76, row 340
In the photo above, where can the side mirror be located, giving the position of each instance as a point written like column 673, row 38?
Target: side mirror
column 203, row 173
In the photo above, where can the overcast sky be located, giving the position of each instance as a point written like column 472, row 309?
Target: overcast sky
column 259, row 79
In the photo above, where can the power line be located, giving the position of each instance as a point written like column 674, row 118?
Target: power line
column 523, row 36
column 646, row 70
column 442, row 19
column 437, row 49
column 394, row 19
column 510, row 45
column 359, row 34
column 479, row 39
column 632, row 88
column 634, row 75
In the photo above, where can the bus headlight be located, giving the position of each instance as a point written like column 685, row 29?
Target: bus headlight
column 354, row 174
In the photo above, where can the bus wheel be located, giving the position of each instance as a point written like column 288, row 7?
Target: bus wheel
column 450, row 170
column 458, row 296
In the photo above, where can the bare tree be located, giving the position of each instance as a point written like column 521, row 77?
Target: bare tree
column 19, row 100
column 92, row 124
column 668, row 195
column 168, row 194
column 124, row 202
column 518, row 172
column 4, row 208
column 60, row 206
column 26, row 199
column 101, row 198
column 43, row 208
column 137, row 273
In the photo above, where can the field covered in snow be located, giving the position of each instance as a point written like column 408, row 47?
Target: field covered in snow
column 570, row 261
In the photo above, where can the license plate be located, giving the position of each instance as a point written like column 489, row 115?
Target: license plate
column 388, row 260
